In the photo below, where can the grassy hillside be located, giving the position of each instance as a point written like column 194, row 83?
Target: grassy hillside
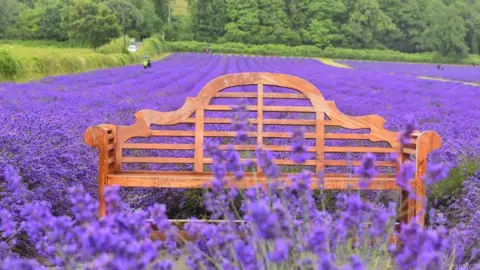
column 25, row 61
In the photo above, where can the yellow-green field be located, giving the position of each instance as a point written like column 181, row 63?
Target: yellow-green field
column 26, row 51
column 180, row 7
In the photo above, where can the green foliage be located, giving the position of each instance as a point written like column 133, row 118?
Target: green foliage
column 313, row 51
column 208, row 19
column 148, row 21
column 409, row 26
column 125, row 12
column 8, row 65
column 28, row 24
column 163, row 9
column 50, row 24
column 91, row 22
column 9, row 11
column 443, row 191
column 115, row 46
column 151, row 47
column 446, row 38
column 179, row 29
column 368, row 26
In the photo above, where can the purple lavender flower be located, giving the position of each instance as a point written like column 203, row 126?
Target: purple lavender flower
column 265, row 160
column 163, row 265
column 435, row 173
column 264, row 220
column 410, row 127
column 366, row 171
column 240, row 121
column 7, row 224
column 84, row 207
column 298, row 146
column 355, row 263
column 405, row 176
column 280, row 251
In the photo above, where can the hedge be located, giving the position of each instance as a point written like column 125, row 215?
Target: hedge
column 312, row 51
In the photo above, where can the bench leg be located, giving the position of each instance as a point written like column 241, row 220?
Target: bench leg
column 426, row 143
column 101, row 199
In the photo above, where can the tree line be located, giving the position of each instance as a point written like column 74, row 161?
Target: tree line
column 87, row 22
column 449, row 27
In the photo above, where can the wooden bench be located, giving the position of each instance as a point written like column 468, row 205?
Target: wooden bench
column 112, row 140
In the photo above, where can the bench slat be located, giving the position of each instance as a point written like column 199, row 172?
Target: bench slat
column 159, row 146
column 265, row 108
column 173, row 133
column 275, row 148
column 265, row 95
column 199, row 181
column 313, row 162
column 156, row 160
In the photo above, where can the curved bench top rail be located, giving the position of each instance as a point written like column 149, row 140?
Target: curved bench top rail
column 145, row 118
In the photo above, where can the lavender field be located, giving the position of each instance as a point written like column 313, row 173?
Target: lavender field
column 42, row 122
column 41, row 136
column 450, row 72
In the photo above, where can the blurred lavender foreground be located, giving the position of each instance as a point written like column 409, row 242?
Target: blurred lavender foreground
column 283, row 229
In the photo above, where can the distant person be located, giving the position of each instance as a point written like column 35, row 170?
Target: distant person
column 145, row 64
column 438, row 66
column 149, row 65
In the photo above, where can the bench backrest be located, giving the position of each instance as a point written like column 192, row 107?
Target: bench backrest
column 284, row 95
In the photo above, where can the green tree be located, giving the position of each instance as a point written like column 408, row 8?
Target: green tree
column 28, row 24
column 125, row 12
column 368, row 27
column 446, row 38
column 9, row 11
column 148, row 20
column 272, row 23
column 208, row 18
column 317, row 21
column 409, row 18
column 244, row 21
column 90, row 22
column 179, row 29
column 470, row 12
column 163, row 8
column 50, row 24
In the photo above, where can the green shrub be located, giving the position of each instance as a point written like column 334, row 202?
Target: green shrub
column 115, row 46
column 151, row 47
column 443, row 191
column 9, row 67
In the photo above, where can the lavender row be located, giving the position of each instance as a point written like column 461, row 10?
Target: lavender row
column 452, row 72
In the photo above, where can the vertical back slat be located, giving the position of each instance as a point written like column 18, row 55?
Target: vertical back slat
column 320, row 141
column 260, row 119
column 406, row 204
column 199, row 128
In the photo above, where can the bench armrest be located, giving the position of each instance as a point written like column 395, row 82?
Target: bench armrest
column 97, row 136
column 103, row 138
